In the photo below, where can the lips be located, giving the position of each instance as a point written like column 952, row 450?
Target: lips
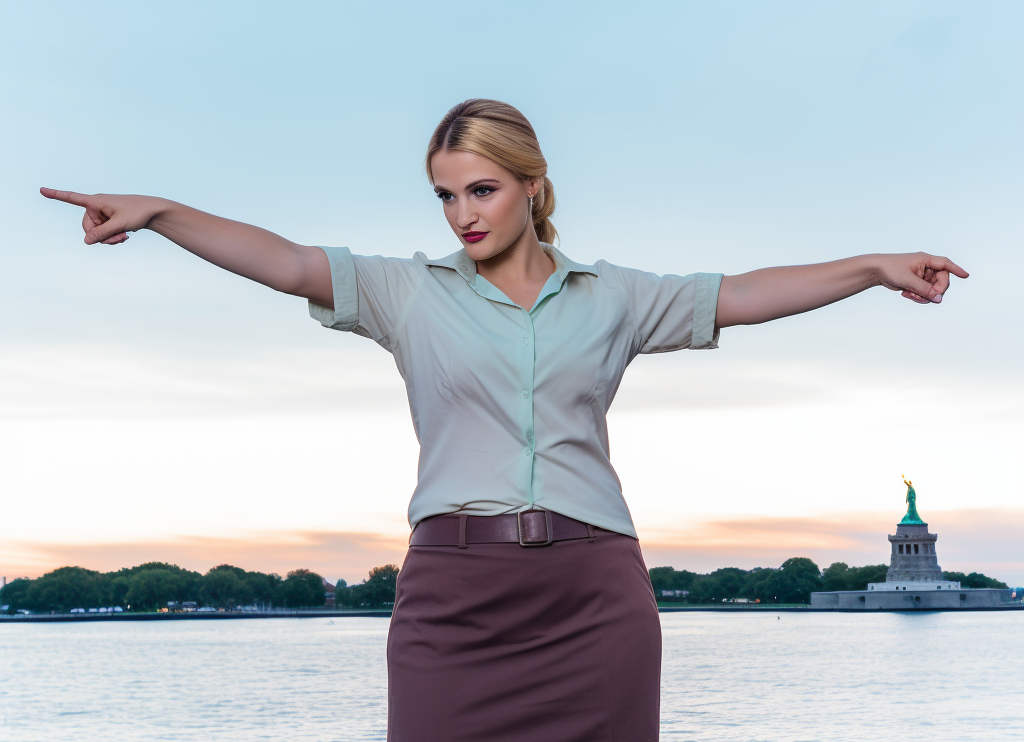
column 473, row 236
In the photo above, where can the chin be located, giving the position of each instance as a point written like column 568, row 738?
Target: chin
column 484, row 249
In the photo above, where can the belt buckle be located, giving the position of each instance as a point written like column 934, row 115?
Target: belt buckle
column 548, row 529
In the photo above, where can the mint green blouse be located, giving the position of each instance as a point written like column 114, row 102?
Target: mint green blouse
column 508, row 402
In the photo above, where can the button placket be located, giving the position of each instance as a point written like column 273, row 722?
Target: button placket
column 529, row 362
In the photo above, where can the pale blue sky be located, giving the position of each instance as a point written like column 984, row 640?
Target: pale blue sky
column 680, row 137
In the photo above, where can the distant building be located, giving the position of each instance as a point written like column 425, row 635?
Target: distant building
column 913, row 563
column 328, row 594
column 914, row 579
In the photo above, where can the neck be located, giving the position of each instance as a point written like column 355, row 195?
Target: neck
column 523, row 260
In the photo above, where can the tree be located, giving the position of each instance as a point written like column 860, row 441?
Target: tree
column 341, row 594
column 266, row 588
column 302, row 589
column 835, row 576
column 178, row 584
column 793, row 582
column 151, row 589
column 974, row 580
column 668, row 578
column 754, row 580
column 722, row 584
column 15, row 594
column 859, row 577
column 379, row 588
column 226, row 587
column 69, row 587
column 376, row 591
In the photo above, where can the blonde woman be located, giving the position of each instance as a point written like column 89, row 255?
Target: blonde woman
column 524, row 609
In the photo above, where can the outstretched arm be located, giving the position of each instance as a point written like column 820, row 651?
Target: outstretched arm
column 240, row 248
column 771, row 293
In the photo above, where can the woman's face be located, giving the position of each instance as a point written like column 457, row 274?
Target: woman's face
column 486, row 205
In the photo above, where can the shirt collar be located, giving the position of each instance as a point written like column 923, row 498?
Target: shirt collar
column 466, row 267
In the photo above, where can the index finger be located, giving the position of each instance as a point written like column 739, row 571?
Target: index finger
column 945, row 264
column 70, row 197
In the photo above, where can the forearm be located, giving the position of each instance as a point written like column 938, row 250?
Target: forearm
column 771, row 293
column 249, row 251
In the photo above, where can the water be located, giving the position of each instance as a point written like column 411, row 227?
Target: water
column 747, row 676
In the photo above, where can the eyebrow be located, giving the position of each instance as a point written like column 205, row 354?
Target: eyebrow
column 471, row 186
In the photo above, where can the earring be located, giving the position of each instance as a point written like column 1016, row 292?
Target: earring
column 531, row 206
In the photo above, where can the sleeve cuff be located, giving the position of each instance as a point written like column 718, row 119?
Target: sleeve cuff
column 345, row 315
column 705, row 305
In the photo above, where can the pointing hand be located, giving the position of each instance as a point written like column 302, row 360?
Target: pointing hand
column 919, row 276
column 109, row 218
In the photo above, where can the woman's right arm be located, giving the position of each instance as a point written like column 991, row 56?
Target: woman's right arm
column 249, row 251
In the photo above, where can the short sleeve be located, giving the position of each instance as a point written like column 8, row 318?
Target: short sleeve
column 370, row 293
column 672, row 312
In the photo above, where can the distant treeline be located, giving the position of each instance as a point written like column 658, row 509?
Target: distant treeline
column 974, row 579
column 152, row 586
column 377, row 591
column 793, row 582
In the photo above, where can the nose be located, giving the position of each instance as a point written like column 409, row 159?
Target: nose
column 465, row 215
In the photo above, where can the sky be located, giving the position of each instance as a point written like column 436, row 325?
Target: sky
column 154, row 407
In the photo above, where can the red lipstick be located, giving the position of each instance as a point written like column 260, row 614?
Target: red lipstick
column 473, row 236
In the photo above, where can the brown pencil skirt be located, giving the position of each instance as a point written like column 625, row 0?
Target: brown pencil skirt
column 499, row 642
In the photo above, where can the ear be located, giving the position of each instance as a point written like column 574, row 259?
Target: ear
column 532, row 187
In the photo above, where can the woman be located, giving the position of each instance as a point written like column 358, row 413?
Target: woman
column 524, row 610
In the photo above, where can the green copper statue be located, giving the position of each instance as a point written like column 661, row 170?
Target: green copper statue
column 911, row 516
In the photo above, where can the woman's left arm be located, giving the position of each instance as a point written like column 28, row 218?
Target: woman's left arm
column 771, row 293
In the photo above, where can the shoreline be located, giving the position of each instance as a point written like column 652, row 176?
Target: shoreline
column 386, row 613
column 190, row 616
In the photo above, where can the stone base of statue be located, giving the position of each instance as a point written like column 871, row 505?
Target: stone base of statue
column 915, row 599
column 912, row 557
column 914, row 585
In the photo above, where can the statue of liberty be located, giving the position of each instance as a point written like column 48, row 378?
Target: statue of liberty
column 911, row 516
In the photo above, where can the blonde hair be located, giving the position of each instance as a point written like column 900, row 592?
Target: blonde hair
column 500, row 133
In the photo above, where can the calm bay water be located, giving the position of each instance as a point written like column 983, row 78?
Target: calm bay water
column 749, row 676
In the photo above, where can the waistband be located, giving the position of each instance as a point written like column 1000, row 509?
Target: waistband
column 526, row 528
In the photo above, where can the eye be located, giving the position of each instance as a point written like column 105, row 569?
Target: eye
column 482, row 190
column 445, row 196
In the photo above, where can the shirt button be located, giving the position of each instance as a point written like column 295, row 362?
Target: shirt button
column 526, row 340
column 524, row 394
column 526, row 452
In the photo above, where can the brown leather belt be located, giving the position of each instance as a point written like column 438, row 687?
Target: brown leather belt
column 526, row 528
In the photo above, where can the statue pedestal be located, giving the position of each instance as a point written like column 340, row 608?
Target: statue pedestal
column 913, row 556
